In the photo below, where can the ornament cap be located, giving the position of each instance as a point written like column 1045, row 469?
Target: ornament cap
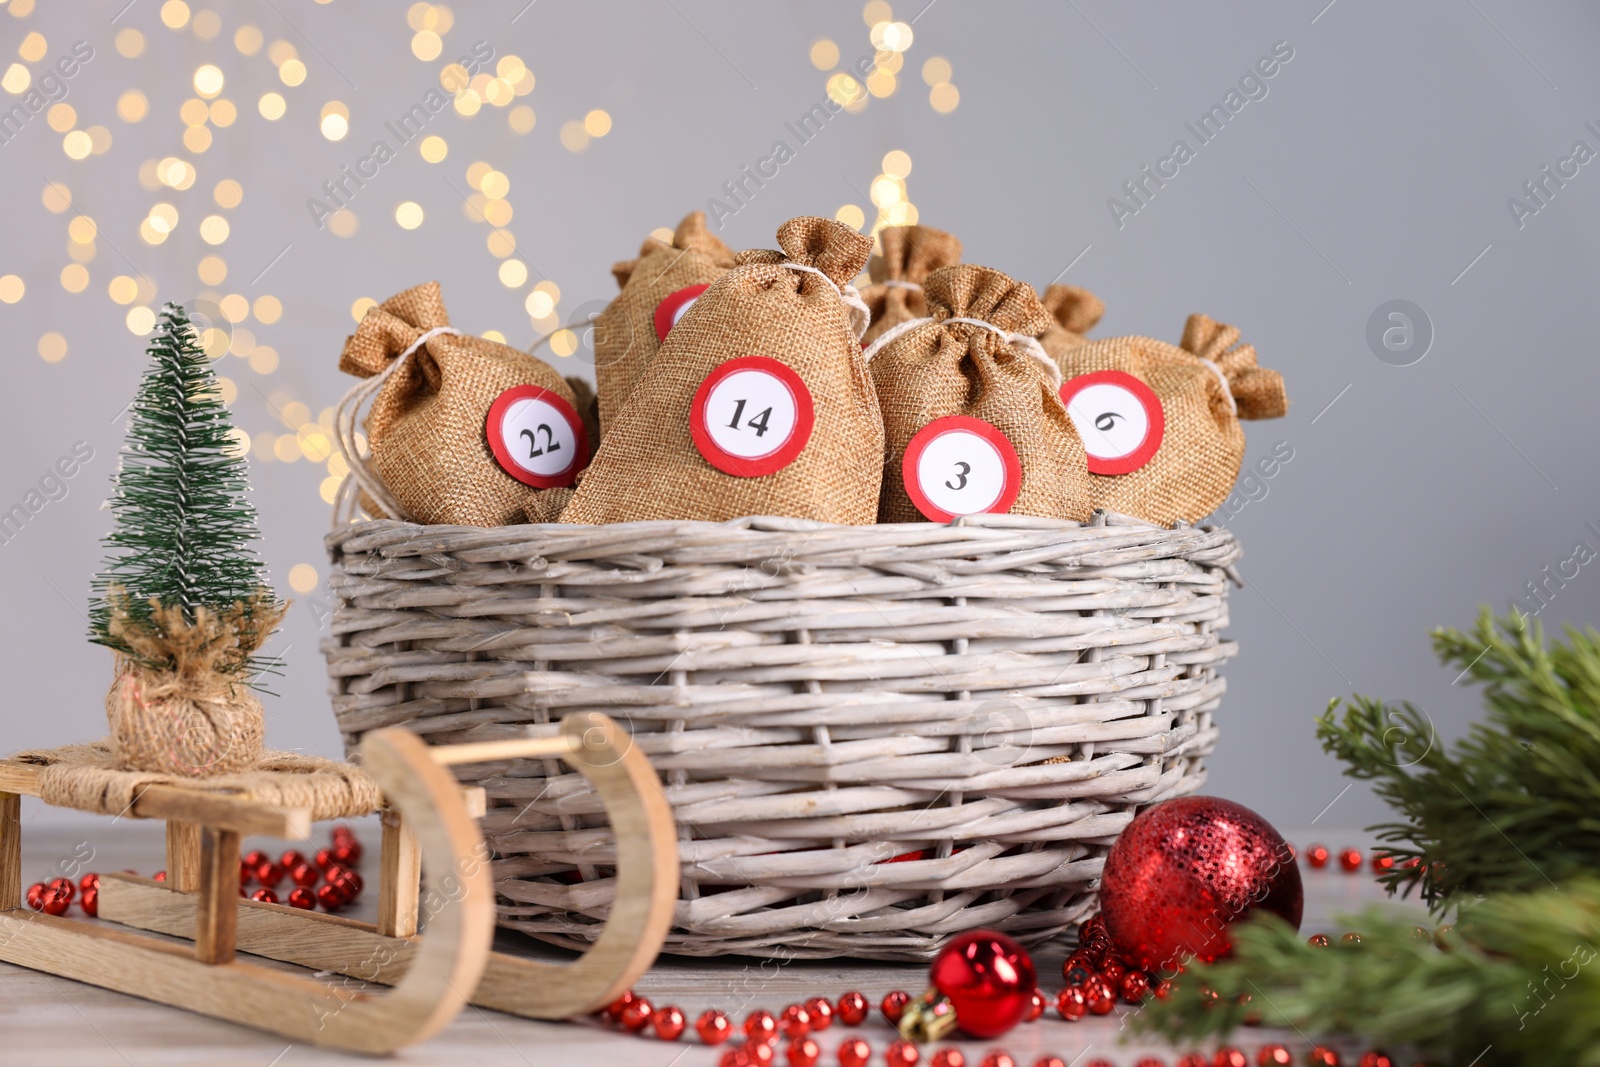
column 930, row 1017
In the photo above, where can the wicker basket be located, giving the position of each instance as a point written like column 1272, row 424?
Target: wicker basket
column 873, row 737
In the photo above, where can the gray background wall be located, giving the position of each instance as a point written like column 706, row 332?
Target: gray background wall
column 1377, row 167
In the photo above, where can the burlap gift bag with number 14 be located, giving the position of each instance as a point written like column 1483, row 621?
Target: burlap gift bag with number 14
column 758, row 402
column 1161, row 421
column 970, row 412
column 462, row 430
column 657, row 288
column 909, row 255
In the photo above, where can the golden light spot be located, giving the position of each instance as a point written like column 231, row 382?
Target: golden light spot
column 150, row 234
column 207, row 24
column 141, row 320
column 213, row 229
column 122, row 289
column 421, row 16
column 334, row 124
column 247, row 39
column 498, row 92
column 292, row 72
column 944, row 97
column 513, row 273
column 80, row 253
column 286, row 449
column 564, row 342
column 597, row 123
column 280, row 52
column 468, row 103
column 890, row 61
column 242, row 343
column 82, row 229
column 57, row 197
column 574, row 138
column 268, row 309
column 16, row 80
column 338, row 468
column 843, row 89
column 886, row 190
column 426, row 45
column 208, row 80
column 264, row 359
column 472, row 207
column 897, row 164
column 475, row 173
column 175, row 173
column 20, row 9
column 433, row 149
column 223, row 113
column 164, row 218
column 523, row 85
column 33, row 47
column 329, row 488
column 936, row 70
column 52, row 347
column 147, row 288
column 175, row 13
column 293, row 412
column 234, row 307
column 495, row 185
column 408, row 214
column 132, row 106
column 194, row 112
column 261, row 448
column 99, row 140
column 74, row 278
column 11, row 289
column 343, row 223
column 824, row 54
column 509, row 67
column 891, row 36
column 875, row 12
column 271, row 106
column 903, row 213
column 359, row 309
column 497, row 212
column 241, row 440
column 197, row 139
column 443, row 19
column 149, row 175
column 213, row 270
column 130, row 43
column 662, row 234
column 539, row 304
column 880, row 83
column 77, row 144
column 501, row 244
column 228, row 193
column 521, row 119
column 229, row 392
column 453, row 77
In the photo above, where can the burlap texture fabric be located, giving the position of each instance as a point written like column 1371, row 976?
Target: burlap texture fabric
column 426, row 426
column 87, row 778
column 649, row 467
column 909, row 254
column 625, row 338
column 1073, row 313
column 1203, row 444
column 941, row 369
column 548, row 504
column 190, row 726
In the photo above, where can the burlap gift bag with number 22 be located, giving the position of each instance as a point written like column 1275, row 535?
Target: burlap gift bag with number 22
column 1161, row 422
column 462, row 430
column 969, row 407
column 758, row 402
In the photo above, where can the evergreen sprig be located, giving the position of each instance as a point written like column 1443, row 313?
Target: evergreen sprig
column 1516, row 804
column 184, row 527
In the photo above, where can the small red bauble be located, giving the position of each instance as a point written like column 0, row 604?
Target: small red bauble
column 854, row 1052
column 90, row 901
column 266, row 896
column 636, row 1016
column 339, row 830
column 269, row 874
column 760, row 1026
column 1100, row 1063
column 821, row 1013
column 1036, row 1006
column 1350, row 859
column 36, row 896
column 853, row 1009
column 795, row 1021
column 1273, row 1056
column 1184, row 871
column 302, row 898
column 1382, row 862
column 89, row 881
column 1317, row 856
column 1321, row 1056
column 324, row 858
column 304, row 874
column 613, row 1011
column 1163, row 989
column 291, row 859
column 347, row 852
column 350, row 875
column 1351, row 938
column 998, row 1058
column 1112, row 970
column 1098, row 995
column 713, row 1027
column 1149, row 1061
column 330, row 897
column 62, row 885
column 1134, row 987
column 894, row 1005
column 901, row 1053
column 669, row 1023
column 254, row 858
column 1230, row 1057
column 989, row 979
column 246, row 874
column 1049, row 1061
column 1072, row 1004
column 948, row 1057
column 55, row 902
column 762, row 1053
column 735, row 1057
column 1192, row 1059
column 159, row 876
column 803, row 1052
column 1319, row 941
column 1374, row 1058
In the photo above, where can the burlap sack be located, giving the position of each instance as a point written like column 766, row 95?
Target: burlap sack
column 909, row 255
column 941, row 368
column 588, row 404
column 787, row 307
column 193, row 726
column 1203, row 388
column 626, row 337
column 1073, row 313
column 430, row 449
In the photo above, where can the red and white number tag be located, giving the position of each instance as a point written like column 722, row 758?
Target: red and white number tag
column 536, row 437
column 672, row 307
column 1119, row 418
column 751, row 416
column 959, row 465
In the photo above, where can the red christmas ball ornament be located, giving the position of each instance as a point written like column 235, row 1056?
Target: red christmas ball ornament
column 821, row 1013
column 1049, row 1061
column 254, row 858
column 330, row 897
column 1317, row 856
column 266, row 896
column 269, row 874
column 669, row 1023
column 949, row 1057
column 853, row 1009
column 291, row 859
column 981, row 981
column 803, row 1052
column 159, row 876
column 304, row 874
column 36, row 896
column 854, row 1052
column 302, row 898
column 90, row 901
column 62, row 885
column 894, row 1004
column 760, row 1026
column 1273, row 1055
column 1184, row 871
column 1350, row 859
column 1072, row 1004
column 88, row 882
column 1230, row 1057
column 998, row 1058
column 1036, row 1005
column 637, row 1016
column 901, row 1053
column 713, row 1027
column 55, row 902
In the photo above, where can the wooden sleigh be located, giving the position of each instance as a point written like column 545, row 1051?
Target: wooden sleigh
column 428, row 827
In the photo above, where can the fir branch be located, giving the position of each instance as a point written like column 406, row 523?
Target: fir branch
column 1514, row 806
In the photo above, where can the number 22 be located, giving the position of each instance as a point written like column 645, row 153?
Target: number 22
column 551, row 444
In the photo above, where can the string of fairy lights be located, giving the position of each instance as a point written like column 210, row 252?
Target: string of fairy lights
column 302, row 436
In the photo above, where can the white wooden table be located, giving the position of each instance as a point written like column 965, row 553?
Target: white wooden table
column 52, row 1020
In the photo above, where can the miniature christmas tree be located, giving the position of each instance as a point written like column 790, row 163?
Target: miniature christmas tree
column 183, row 599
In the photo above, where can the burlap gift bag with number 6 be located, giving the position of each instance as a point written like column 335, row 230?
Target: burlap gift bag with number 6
column 656, row 290
column 758, row 402
column 1161, row 421
column 970, row 413
column 1074, row 311
column 462, row 430
column 909, row 255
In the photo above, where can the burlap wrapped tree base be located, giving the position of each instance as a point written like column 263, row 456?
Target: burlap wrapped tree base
column 193, row 727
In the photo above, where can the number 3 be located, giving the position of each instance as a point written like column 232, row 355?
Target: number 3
column 966, row 469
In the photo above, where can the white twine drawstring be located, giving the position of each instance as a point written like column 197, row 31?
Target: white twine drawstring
column 344, row 435
column 1029, row 345
column 896, row 283
column 1227, row 390
column 859, row 315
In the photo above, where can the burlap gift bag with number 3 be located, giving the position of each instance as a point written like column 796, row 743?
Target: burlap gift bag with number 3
column 970, row 411
column 462, row 430
column 758, row 402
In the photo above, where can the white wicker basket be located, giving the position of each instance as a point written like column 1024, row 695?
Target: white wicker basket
column 873, row 737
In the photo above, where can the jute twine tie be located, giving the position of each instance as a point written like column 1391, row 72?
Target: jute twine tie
column 860, row 316
column 1028, row 345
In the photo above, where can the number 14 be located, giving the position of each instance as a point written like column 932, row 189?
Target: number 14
column 758, row 421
